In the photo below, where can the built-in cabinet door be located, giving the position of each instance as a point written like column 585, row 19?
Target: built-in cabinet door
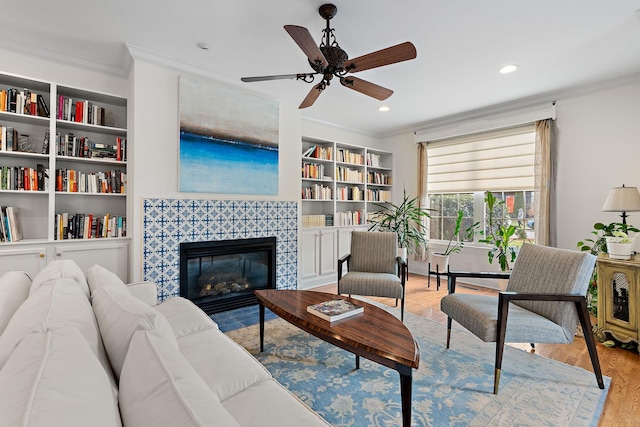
column 110, row 255
column 328, row 251
column 309, row 254
column 619, row 286
column 344, row 241
column 30, row 259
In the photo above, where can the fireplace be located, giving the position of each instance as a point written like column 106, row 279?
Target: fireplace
column 222, row 275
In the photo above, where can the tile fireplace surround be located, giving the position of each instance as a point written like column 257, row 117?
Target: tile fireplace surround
column 168, row 222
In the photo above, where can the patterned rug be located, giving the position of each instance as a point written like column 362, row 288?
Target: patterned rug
column 451, row 387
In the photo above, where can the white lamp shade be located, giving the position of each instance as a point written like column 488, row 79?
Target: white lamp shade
column 622, row 199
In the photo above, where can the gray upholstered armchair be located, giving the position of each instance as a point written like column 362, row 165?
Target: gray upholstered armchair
column 543, row 301
column 374, row 269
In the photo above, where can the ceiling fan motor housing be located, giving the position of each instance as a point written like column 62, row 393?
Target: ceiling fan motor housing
column 335, row 56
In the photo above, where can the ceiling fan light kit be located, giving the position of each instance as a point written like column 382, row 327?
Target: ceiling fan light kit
column 329, row 60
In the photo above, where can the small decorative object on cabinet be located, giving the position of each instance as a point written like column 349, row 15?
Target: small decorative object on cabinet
column 63, row 165
column 619, row 297
column 340, row 185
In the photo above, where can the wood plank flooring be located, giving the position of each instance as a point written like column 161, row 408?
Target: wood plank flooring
column 622, row 407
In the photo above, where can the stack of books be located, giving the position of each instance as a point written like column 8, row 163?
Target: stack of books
column 335, row 309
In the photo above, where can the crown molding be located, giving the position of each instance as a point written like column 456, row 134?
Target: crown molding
column 66, row 58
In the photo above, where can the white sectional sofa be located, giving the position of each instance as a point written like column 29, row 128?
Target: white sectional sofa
column 80, row 350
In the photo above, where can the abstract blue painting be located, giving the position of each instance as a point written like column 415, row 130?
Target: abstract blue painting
column 228, row 140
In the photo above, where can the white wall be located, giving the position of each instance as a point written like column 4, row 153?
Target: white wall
column 598, row 148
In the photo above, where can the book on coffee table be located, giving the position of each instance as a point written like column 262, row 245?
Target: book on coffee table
column 335, row 309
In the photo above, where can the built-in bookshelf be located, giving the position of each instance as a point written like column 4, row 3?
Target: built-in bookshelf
column 63, row 158
column 341, row 182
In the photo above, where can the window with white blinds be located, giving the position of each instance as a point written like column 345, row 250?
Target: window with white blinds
column 498, row 160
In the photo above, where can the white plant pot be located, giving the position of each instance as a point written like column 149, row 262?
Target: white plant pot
column 402, row 253
column 618, row 250
column 439, row 262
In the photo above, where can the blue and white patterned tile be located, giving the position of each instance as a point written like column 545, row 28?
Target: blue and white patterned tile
column 167, row 222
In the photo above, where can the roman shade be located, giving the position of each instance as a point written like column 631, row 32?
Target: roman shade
column 498, row 160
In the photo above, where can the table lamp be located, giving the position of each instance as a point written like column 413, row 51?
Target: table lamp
column 622, row 199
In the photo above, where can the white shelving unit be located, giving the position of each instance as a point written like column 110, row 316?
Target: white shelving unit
column 340, row 185
column 38, row 209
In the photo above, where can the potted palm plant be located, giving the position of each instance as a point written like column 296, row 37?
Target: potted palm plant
column 498, row 234
column 440, row 260
column 406, row 219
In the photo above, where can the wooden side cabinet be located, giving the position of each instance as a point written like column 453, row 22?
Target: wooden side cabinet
column 618, row 297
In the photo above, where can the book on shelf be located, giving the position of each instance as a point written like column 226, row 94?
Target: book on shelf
column 11, row 223
column 335, row 309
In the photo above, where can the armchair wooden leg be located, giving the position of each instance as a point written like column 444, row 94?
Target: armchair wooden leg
column 583, row 315
column 401, row 309
column 448, row 331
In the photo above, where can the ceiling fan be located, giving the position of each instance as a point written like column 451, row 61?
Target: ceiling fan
column 329, row 60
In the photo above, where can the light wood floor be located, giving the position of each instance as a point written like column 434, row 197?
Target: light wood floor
column 622, row 407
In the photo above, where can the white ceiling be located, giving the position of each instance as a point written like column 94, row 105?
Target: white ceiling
column 461, row 44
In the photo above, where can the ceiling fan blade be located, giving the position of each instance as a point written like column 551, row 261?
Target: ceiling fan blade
column 391, row 55
column 303, row 38
column 300, row 76
column 313, row 94
column 371, row 89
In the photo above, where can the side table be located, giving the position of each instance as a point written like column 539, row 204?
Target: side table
column 619, row 297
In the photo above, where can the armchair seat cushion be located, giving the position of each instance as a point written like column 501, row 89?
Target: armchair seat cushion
column 371, row 284
column 479, row 315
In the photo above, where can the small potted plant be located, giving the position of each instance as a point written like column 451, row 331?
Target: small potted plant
column 440, row 260
column 407, row 220
column 619, row 245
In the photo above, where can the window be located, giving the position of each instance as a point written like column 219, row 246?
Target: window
column 461, row 169
column 517, row 210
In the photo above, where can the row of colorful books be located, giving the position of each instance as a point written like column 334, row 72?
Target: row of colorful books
column 24, row 178
column 23, row 101
column 89, row 226
column 83, row 147
column 74, row 181
column 80, row 111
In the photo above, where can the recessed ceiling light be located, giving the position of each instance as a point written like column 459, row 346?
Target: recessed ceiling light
column 202, row 45
column 383, row 108
column 508, row 68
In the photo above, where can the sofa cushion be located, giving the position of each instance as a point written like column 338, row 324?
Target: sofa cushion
column 271, row 406
column 185, row 317
column 60, row 269
column 57, row 303
column 225, row 366
column 53, row 379
column 146, row 292
column 119, row 315
column 158, row 387
column 14, row 290
column 99, row 277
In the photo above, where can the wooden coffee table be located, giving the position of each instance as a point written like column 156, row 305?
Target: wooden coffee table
column 375, row 334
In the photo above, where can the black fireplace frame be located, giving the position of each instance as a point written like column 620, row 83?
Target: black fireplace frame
column 213, row 304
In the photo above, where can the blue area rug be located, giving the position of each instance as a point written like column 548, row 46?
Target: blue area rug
column 451, row 387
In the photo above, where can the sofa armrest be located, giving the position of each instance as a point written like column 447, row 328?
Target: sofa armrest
column 146, row 292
